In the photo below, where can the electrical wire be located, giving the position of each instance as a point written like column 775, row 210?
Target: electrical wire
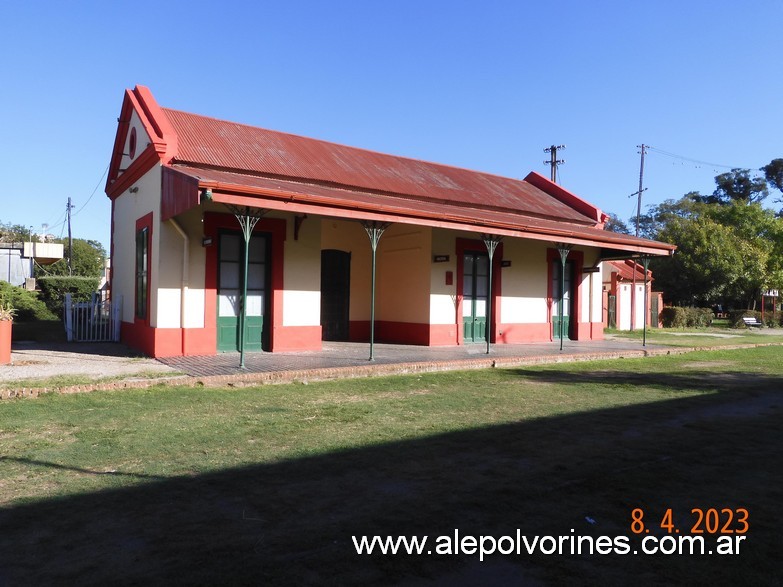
column 697, row 162
column 97, row 185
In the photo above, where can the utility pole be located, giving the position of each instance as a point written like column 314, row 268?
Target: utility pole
column 642, row 149
column 553, row 160
column 68, row 208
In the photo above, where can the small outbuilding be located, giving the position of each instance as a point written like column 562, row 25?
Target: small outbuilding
column 626, row 307
column 228, row 236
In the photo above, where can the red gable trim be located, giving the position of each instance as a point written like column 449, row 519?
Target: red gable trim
column 161, row 149
column 566, row 197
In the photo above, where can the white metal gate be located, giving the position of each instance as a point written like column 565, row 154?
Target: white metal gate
column 93, row 321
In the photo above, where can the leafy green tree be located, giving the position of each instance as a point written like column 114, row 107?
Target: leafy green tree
column 13, row 233
column 88, row 259
column 614, row 224
column 773, row 172
column 737, row 185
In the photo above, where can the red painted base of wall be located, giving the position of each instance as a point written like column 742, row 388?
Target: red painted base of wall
column 296, row 338
column 169, row 342
column 404, row 333
column 176, row 342
column 521, row 333
column 446, row 334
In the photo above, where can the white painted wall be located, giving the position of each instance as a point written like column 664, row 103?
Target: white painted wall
column 302, row 273
column 592, row 290
column 171, row 275
column 443, row 298
column 524, row 284
column 624, row 304
column 129, row 207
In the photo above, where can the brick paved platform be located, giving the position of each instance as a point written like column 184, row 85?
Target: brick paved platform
column 346, row 359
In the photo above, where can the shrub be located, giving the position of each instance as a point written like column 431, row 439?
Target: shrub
column 26, row 303
column 673, row 317
column 54, row 288
column 702, row 317
column 676, row 317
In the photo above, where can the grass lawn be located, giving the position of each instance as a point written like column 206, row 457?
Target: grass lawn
column 268, row 485
column 701, row 337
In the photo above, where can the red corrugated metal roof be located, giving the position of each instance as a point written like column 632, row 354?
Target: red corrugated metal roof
column 627, row 270
column 204, row 141
column 336, row 201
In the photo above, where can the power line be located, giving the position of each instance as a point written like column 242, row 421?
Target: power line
column 697, row 162
column 97, row 185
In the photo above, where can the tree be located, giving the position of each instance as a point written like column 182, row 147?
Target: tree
column 88, row 259
column 773, row 172
column 738, row 186
column 727, row 253
column 614, row 224
column 13, row 233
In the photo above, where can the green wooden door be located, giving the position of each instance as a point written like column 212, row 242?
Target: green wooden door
column 561, row 288
column 230, row 270
column 475, row 283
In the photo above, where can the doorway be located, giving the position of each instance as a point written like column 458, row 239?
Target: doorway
column 335, row 294
column 475, row 284
column 231, row 258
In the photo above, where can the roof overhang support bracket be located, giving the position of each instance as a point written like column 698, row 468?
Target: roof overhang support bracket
column 491, row 241
column 247, row 217
column 564, row 250
column 375, row 231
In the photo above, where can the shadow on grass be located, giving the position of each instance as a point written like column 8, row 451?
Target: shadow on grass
column 292, row 522
column 694, row 381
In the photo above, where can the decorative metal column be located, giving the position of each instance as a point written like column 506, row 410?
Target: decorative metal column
column 563, row 250
column 645, row 264
column 374, row 231
column 491, row 241
column 247, row 218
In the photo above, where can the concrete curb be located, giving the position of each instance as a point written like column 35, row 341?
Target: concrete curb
column 355, row 372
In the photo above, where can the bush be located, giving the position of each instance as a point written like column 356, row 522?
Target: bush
column 54, row 288
column 26, row 303
column 736, row 316
column 673, row 317
column 676, row 317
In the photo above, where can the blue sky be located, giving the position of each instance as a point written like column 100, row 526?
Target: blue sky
column 482, row 85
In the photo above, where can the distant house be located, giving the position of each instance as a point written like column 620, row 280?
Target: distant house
column 180, row 184
column 17, row 260
column 624, row 300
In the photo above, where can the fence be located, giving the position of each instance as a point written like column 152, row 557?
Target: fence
column 93, row 321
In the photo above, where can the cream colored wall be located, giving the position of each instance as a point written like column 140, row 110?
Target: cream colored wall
column 524, row 284
column 129, row 207
column 349, row 236
column 302, row 273
column 402, row 270
column 142, row 140
column 170, row 279
column 403, row 274
column 443, row 298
